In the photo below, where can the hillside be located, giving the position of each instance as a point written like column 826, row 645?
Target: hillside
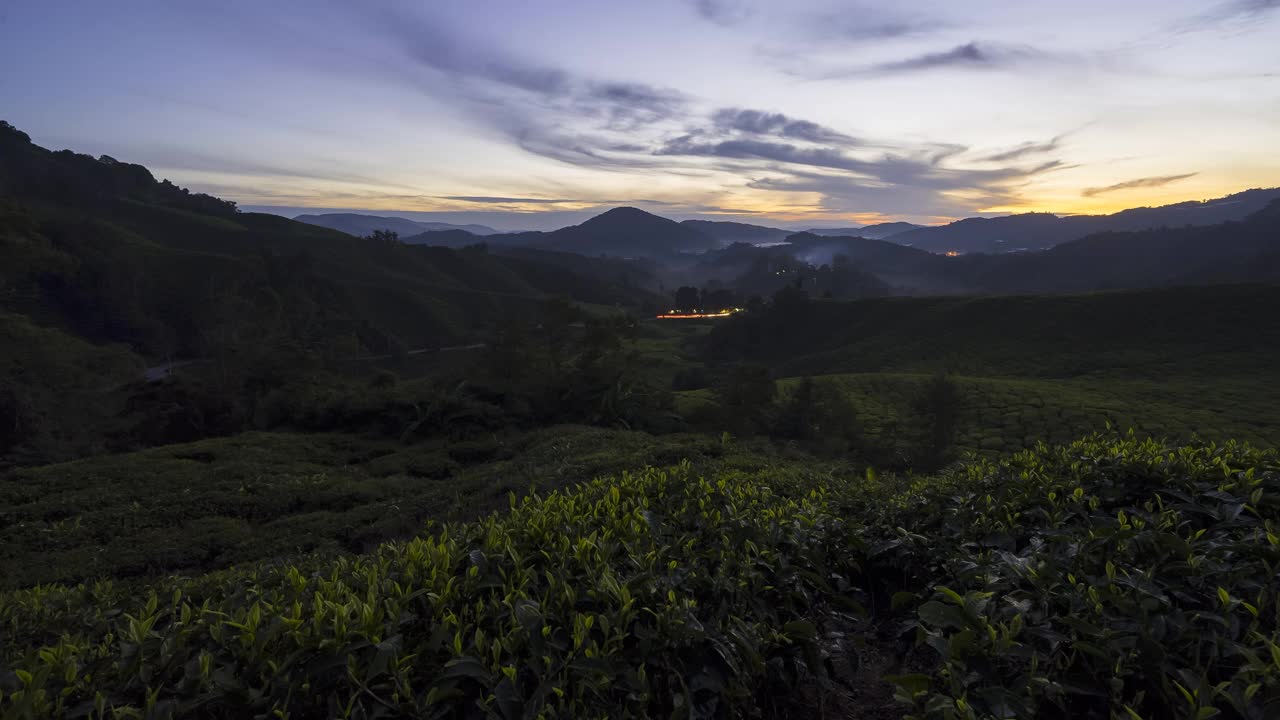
column 728, row 233
column 880, row 231
column 1040, row 231
column 1221, row 330
column 362, row 225
column 103, row 267
column 97, row 246
column 1244, row 251
column 1032, row 231
column 1233, row 252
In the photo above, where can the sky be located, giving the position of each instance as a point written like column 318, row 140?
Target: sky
column 537, row 114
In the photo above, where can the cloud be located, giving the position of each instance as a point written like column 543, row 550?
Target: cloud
column 925, row 168
column 1237, row 10
column 970, row 56
column 497, row 84
column 505, row 200
column 1025, row 149
column 758, row 122
column 1139, row 183
column 845, row 195
column 621, row 126
column 723, row 12
column 868, row 23
column 909, row 181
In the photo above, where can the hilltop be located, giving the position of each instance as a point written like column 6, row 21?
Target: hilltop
column 1040, row 231
column 356, row 224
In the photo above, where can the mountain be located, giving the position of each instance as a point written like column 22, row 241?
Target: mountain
column 1030, row 231
column 729, row 233
column 845, row 266
column 1239, row 206
column 361, row 225
column 627, row 232
column 1039, row 231
column 819, row 249
column 1231, row 252
column 884, row 231
column 880, row 231
column 621, row 232
column 851, row 231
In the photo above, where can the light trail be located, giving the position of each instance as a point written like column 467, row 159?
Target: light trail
column 677, row 315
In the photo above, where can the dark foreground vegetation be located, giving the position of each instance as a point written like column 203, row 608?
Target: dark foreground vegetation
column 1111, row 577
column 256, row 468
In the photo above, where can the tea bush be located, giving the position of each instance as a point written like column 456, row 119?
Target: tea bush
column 213, row 504
column 652, row 593
column 1113, row 578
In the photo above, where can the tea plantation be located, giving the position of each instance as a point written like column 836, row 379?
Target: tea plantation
column 207, row 505
column 1112, row 577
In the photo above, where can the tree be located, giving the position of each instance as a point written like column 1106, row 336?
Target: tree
column 720, row 299
column 791, row 301
column 383, row 236
column 938, row 409
column 745, row 396
column 15, row 417
column 556, row 317
column 819, row 415
column 688, row 299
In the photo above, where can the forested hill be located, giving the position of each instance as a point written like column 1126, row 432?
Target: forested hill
column 105, row 271
column 99, row 248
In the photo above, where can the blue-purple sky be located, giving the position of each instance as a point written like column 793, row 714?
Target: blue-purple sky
column 534, row 114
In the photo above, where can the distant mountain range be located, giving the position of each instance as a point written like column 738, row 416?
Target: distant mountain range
column 1230, row 252
column 361, row 225
column 630, row 232
column 1040, row 231
column 1247, row 250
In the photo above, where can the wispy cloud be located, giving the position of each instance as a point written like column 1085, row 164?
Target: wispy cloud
column 1025, row 149
column 489, row 199
column 1139, row 183
column 865, row 22
column 970, row 56
column 757, row 122
column 629, row 127
column 854, row 175
column 1238, row 9
column 493, row 79
column 723, row 12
